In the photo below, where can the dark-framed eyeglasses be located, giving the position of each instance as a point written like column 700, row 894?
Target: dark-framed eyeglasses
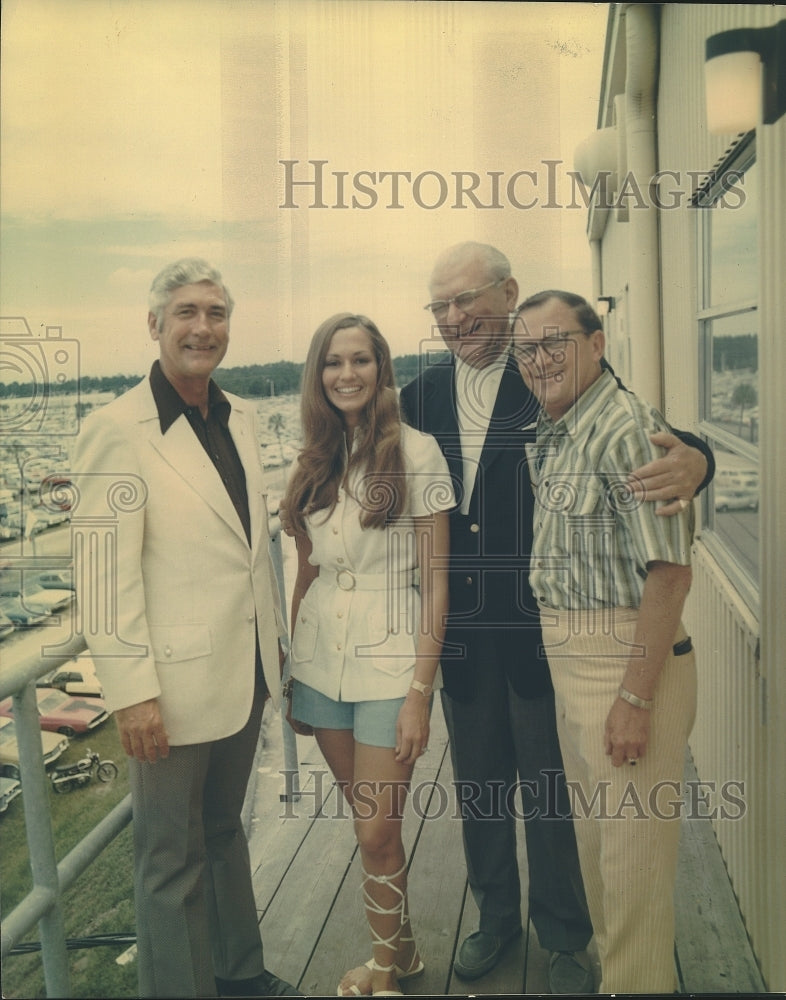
column 552, row 346
column 462, row 301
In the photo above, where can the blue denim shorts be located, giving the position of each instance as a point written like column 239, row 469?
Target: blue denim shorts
column 371, row 722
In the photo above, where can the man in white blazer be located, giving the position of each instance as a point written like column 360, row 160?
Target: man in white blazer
column 180, row 610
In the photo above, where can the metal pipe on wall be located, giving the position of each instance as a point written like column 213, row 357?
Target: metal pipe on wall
column 641, row 46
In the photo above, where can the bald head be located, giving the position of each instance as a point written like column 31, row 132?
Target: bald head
column 494, row 263
column 477, row 327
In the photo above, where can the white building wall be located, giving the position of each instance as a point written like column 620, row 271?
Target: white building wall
column 617, row 323
column 739, row 734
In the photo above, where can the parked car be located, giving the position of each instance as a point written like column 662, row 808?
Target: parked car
column 6, row 625
column 736, row 499
column 9, row 789
column 62, row 713
column 77, row 677
column 9, row 530
column 49, row 601
column 53, row 744
column 42, row 519
column 23, row 613
column 62, row 579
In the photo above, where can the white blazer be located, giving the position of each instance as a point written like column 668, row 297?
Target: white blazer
column 172, row 615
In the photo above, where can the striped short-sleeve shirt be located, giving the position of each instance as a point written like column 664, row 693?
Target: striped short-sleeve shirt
column 592, row 540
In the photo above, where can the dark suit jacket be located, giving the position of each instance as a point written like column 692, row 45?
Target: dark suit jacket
column 490, row 546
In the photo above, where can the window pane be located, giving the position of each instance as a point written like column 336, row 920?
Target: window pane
column 734, row 244
column 735, row 501
column 734, row 374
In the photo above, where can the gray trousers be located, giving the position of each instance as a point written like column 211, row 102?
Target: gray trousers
column 507, row 766
column 196, row 916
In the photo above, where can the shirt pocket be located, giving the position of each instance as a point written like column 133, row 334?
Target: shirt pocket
column 575, row 495
column 175, row 643
column 304, row 639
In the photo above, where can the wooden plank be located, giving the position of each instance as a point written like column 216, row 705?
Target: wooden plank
column 294, row 919
column 278, row 828
column 303, row 872
column 307, row 880
column 285, row 839
column 437, row 884
column 343, row 940
column 713, row 951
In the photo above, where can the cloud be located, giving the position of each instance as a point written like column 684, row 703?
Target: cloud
column 128, row 277
column 111, row 108
column 136, row 132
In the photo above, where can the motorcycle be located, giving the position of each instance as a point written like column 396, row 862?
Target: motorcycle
column 67, row 777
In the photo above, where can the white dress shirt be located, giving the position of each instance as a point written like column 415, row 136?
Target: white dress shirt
column 476, row 394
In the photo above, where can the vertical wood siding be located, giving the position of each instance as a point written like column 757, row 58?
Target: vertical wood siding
column 742, row 703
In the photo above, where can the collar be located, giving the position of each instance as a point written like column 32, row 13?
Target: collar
column 170, row 404
column 582, row 416
column 465, row 371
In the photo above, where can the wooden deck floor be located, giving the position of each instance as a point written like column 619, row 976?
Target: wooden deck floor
column 306, row 877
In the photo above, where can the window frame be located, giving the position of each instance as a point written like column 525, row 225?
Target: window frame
column 745, row 578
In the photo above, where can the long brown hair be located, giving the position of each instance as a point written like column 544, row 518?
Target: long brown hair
column 322, row 464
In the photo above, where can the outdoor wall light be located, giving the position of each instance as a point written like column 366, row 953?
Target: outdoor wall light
column 604, row 304
column 745, row 78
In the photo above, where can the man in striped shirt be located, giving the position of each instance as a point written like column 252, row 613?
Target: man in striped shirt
column 610, row 577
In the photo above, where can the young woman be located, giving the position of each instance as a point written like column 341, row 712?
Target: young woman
column 366, row 504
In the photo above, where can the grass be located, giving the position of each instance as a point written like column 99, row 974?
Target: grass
column 101, row 901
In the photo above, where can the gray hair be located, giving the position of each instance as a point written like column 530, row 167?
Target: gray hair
column 187, row 271
column 495, row 262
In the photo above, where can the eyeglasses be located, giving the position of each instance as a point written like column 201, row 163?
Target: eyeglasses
column 462, row 301
column 552, row 346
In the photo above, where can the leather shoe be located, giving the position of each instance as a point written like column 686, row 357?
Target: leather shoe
column 263, row 985
column 480, row 952
column 568, row 974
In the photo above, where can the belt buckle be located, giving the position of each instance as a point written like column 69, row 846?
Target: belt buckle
column 345, row 579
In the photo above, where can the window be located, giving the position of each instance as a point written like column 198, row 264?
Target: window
column 729, row 361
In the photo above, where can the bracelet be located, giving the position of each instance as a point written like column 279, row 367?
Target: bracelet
column 425, row 689
column 633, row 699
column 286, row 690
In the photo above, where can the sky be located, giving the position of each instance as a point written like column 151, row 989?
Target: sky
column 134, row 133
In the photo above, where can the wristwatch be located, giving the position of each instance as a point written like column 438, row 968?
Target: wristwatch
column 425, row 689
column 633, row 699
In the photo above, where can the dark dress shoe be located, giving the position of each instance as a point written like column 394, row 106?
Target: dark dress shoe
column 263, row 985
column 480, row 952
column 568, row 975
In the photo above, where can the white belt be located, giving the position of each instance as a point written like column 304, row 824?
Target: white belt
column 345, row 579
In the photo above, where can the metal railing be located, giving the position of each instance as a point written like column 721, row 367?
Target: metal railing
column 43, row 904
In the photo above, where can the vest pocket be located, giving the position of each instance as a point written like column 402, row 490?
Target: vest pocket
column 174, row 643
column 304, row 639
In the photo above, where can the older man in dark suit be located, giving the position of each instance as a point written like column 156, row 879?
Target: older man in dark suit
column 497, row 698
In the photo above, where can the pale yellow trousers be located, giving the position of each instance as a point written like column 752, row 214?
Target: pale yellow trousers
column 627, row 819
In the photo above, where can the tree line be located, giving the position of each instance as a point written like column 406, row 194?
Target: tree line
column 280, row 378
